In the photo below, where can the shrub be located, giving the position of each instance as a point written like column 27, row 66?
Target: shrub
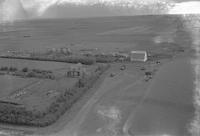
column 4, row 68
column 148, row 73
column 12, row 69
column 25, row 69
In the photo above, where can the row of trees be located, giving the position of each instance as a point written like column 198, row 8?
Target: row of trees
column 25, row 69
column 26, row 72
column 86, row 60
column 11, row 69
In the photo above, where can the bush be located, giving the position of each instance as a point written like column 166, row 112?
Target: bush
column 12, row 69
column 148, row 73
column 83, row 60
column 31, row 74
column 4, row 68
column 25, row 69
column 105, row 59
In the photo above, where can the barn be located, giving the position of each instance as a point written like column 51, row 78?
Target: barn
column 138, row 56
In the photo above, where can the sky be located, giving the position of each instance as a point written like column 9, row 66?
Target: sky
column 11, row 10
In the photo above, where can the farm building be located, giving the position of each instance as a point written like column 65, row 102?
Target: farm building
column 138, row 56
column 76, row 71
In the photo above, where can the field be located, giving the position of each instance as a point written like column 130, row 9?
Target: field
column 34, row 93
column 10, row 84
column 37, row 101
column 106, row 34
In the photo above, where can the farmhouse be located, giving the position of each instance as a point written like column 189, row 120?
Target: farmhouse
column 138, row 56
column 76, row 71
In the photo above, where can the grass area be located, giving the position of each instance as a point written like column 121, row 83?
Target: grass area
column 43, row 101
column 42, row 95
column 9, row 85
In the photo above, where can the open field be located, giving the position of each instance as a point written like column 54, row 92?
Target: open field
column 33, row 93
column 36, row 101
column 42, row 94
column 119, row 33
column 10, row 84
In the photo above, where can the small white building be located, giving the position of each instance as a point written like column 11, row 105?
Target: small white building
column 138, row 56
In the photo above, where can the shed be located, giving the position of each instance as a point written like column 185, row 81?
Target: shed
column 76, row 70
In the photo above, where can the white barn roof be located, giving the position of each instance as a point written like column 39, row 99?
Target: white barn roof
column 138, row 56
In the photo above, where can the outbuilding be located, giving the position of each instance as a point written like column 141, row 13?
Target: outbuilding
column 138, row 56
column 76, row 70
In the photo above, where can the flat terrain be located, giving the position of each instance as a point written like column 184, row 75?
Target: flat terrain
column 34, row 93
column 107, row 34
column 10, row 84
column 127, row 103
